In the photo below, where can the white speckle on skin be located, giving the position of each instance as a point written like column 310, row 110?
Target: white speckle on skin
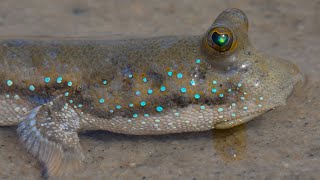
column 17, row 109
column 16, row 97
column 24, row 110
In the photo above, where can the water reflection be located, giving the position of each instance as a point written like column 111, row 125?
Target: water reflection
column 230, row 144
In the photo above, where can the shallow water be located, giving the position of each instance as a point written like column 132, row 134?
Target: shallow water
column 281, row 144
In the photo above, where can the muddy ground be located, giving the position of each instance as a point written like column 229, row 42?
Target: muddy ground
column 282, row 144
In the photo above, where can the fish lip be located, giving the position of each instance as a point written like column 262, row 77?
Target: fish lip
column 294, row 70
column 231, row 123
column 299, row 79
column 247, row 117
column 273, row 104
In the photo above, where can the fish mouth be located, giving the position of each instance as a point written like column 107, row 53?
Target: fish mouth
column 278, row 98
column 294, row 70
column 227, row 124
column 297, row 81
column 272, row 105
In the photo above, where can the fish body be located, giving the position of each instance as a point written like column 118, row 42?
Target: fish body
column 54, row 89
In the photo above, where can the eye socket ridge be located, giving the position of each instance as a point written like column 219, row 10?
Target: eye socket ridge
column 220, row 39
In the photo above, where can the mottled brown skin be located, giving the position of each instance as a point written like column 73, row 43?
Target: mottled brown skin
column 111, row 83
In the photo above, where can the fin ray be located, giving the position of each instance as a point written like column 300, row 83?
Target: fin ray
column 51, row 136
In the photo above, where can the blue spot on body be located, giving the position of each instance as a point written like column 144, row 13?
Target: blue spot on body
column 9, row 83
column 47, row 79
column 197, row 96
column 159, row 108
column 183, row 90
column 59, row 79
column 32, row 88
column 144, row 80
column 192, row 83
column 143, row 103
column 179, row 75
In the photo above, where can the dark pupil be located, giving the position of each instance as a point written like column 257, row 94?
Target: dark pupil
column 220, row 39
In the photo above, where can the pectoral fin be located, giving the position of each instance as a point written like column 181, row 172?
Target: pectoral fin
column 49, row 132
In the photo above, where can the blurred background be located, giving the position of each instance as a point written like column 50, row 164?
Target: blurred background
column 282, row 144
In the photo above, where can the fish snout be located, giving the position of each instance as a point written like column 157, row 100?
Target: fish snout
column 293, row 70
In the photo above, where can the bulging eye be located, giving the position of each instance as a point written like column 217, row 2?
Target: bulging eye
column 220, row 39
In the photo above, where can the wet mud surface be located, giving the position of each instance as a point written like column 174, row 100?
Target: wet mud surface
column 281, row 144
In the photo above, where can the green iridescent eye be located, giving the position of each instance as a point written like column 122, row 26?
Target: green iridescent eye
column 220, row 39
